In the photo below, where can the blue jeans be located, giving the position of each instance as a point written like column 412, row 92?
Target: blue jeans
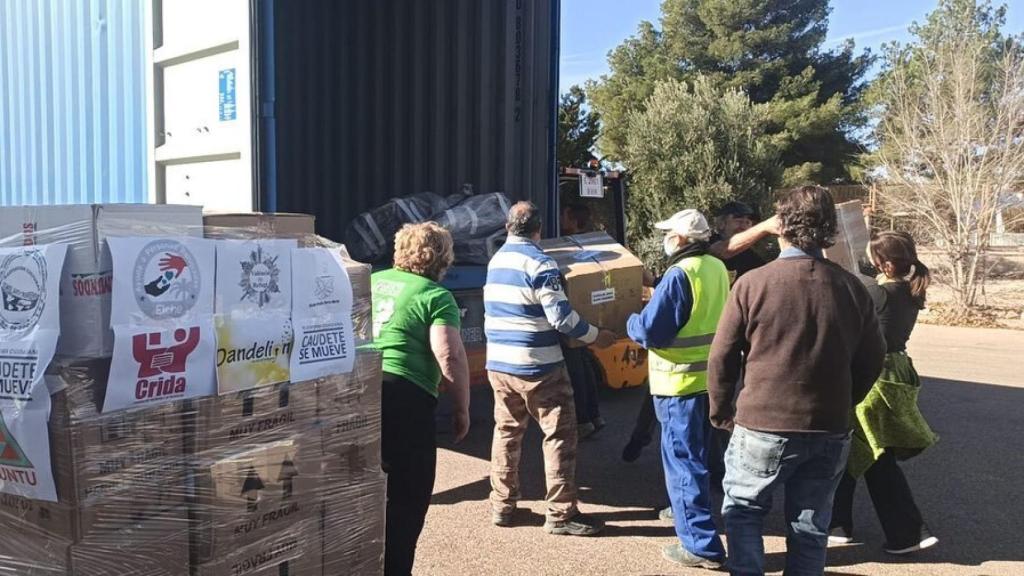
column 685, row 434
column 756, row 464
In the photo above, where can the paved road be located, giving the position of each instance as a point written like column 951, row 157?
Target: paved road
column 970, row 486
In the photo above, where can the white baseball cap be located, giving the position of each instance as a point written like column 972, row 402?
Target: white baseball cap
column 688, row 223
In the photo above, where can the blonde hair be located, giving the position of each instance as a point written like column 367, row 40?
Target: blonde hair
column 425, row 249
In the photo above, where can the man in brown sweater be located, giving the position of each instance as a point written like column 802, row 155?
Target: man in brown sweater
column 807, row 333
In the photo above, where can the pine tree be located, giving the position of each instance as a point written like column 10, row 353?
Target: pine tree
column 770, row 49
column 578, row 128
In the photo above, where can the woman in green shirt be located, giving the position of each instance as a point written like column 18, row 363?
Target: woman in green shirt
column 416, row 328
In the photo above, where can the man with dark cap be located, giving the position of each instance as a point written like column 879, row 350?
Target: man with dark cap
column 736, row 234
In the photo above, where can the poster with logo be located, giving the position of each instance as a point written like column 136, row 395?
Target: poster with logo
column 321, row 315
column 29, row 329
column 254, row 300
column 162, row 318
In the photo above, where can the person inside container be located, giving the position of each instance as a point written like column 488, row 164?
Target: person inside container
column 416, row 328
column 576, row 219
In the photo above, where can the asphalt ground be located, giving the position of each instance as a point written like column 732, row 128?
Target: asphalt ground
column 970, row 486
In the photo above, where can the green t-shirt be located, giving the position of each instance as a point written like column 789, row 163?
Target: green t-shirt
column 405, row 306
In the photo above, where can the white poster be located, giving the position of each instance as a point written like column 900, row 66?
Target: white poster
column 254, row 300
column 162, row 317
column 591, row 186
column 29, row 328
column 321, row 315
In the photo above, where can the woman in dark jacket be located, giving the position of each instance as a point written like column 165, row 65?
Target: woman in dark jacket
column 888, row 425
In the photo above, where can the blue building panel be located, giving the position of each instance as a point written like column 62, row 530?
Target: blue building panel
column 72, row 102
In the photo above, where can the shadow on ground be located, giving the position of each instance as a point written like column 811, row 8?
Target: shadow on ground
column 968, row 486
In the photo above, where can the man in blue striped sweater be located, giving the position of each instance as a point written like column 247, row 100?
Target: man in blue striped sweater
column 525, row 314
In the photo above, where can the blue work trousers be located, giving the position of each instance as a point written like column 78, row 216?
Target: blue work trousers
column 685, row 438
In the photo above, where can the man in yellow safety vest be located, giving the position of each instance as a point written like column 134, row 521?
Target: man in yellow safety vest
column 677, row 327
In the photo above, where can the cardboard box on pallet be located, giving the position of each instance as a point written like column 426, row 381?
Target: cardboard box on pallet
column 250, row 417
column 603, row 280
column 131, row 457
column 289, row 552
column 157, row 546
column 264, row 489
column 259, row 225
column 353, row 528
column 86, row 284
column 350, row 406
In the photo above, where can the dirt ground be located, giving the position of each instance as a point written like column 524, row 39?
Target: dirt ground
column 1002, row 294
column 968, row 486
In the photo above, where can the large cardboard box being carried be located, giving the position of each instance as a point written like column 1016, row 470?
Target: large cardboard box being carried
column 86, row 284
column 603, row 280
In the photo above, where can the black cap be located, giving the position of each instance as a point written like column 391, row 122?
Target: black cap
column 737, row 209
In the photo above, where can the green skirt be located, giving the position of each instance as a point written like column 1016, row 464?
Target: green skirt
column 888, row 418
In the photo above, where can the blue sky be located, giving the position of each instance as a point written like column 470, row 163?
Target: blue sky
column 590, row 28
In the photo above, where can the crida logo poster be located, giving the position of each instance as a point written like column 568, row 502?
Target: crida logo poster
column 254, row 300
column 162, row 317
column 29, row 328
column 321, row 315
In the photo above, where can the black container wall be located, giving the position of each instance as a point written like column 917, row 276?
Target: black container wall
column 372, row 99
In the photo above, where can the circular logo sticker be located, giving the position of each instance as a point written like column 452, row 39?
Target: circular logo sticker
column 23, row 287
column 166, row 280
column 260, row 275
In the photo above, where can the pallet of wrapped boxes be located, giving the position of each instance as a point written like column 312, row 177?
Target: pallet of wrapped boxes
column 279, row 478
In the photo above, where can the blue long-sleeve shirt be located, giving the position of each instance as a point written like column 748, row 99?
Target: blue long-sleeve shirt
column 666, row 314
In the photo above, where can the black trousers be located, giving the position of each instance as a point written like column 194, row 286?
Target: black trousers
column 409, row 457
column 584, row 384
column 900, row 518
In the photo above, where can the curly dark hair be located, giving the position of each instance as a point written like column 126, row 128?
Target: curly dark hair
column 807, row 217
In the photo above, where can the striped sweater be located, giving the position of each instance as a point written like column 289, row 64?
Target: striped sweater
column 525, row 309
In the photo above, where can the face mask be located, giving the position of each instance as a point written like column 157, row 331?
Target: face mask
column 669, row 245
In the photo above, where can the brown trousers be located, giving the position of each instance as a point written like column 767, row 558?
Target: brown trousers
column 549, row 401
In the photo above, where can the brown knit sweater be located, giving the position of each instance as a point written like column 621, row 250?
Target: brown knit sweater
column 812, row 348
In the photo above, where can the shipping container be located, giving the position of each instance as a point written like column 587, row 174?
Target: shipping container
column 72, row 102
column 331, row 107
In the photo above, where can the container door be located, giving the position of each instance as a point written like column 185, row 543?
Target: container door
column 201, row 114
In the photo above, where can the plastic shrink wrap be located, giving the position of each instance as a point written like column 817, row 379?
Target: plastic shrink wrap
column 206, row 411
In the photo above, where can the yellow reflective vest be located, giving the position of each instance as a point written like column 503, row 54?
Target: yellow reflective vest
column 682, row 368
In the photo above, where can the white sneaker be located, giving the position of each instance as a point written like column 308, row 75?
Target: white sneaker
column 839, row 535
column 927, row 541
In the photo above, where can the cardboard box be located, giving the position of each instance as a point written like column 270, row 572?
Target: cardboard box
column 245, row 497
column 350, row 405
column 157, row 546
column 86, row 284
column 353, row 529
column 131, row 458
column 25, row 552
column 301, row 227
column 73, row 523
column 259, row 225
column 603, row 280
column 850, row 249
column 252, row 416
column 291, row 552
